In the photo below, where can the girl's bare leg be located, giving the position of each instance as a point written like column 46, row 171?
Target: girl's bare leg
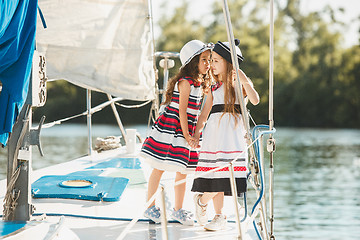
column 153, row 184
column 206, row 197
column 218, row 202
column 179, row 191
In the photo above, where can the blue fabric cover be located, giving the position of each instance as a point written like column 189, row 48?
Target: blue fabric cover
column 107, row 189
column 17, row 42
column 7, row 228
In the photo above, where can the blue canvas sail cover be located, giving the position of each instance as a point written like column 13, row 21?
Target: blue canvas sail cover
column 17, row 41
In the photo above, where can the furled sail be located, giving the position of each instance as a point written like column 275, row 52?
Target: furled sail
column 103, row 45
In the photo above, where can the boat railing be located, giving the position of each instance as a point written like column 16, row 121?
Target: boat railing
column 259, row 206
column 253, row 147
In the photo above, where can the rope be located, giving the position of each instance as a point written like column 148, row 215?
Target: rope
column 133, row 106
column 51, row 124
column 251, row 118
column 108, row 143
column 94, row 110
column 11, row 196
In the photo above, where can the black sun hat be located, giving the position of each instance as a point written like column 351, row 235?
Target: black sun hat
column 223, row 49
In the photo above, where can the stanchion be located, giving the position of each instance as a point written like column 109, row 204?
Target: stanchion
column 234, row 196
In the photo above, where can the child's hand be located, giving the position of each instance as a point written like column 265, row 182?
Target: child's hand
column 233, row 75
column 196, row 143
column 192, row 141
column 189, row 139
column 242, row 76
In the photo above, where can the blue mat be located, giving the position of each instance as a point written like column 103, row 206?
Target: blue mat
column 10, row 227
column 108, row 189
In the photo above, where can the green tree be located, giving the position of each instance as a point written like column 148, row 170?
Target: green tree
column 177, row 30
column 347, row 109
column 250, row 24
column 311, row 98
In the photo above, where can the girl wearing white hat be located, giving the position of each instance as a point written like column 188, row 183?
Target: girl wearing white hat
column 223, row 138
column 168, row 147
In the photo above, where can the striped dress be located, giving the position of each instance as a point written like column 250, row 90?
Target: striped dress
column 166, row 148
column 223, row 141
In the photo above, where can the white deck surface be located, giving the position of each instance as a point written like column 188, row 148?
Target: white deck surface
column 107, row 220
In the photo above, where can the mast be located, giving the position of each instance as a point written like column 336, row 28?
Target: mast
column 18, row 205
column 271, row 140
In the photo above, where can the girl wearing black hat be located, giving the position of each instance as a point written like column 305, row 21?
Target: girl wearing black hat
column 223, row 138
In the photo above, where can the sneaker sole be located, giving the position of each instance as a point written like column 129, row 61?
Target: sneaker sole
column 209, row 229
column 201, row 223
column 152, row 220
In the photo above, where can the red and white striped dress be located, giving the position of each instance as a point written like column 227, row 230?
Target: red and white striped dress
column 223, row 141
column 166, row 148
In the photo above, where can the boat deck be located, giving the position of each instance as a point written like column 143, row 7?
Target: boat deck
column 91, row 229
column 108, row 219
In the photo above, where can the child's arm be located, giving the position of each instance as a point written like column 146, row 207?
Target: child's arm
column 202, row 118
column 184, row 89
column 252, row 94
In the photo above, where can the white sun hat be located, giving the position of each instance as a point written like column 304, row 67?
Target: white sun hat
column 191, row 49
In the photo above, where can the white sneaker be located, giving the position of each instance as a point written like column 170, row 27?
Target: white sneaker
column 184, row 217
column 200, row 211
column 218, row 223
column 153, row 213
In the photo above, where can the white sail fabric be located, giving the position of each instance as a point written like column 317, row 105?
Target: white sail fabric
column 103, row 45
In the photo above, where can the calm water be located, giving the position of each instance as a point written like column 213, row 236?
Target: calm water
column 317, row 176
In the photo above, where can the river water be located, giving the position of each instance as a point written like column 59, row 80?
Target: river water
column 317, row 176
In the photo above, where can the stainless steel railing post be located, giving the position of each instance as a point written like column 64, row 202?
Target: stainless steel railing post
column 234, row 196
column 164, row 229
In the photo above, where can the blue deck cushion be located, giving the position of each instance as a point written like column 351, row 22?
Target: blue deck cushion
column 7, row 228
column 108, row 189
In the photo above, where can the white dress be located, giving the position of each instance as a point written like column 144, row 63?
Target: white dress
column 223, row 141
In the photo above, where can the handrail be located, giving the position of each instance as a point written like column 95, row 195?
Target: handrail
column 92, row 111
column 152, row 198
column 256, row 142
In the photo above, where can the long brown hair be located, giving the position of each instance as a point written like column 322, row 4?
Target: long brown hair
column 189, row 70
column 229, row 90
